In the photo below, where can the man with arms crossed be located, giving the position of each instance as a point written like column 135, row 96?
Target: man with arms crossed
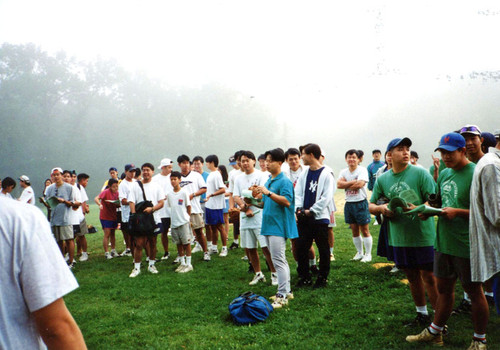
column 452, row 248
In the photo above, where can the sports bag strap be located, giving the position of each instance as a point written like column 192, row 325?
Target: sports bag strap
column 142, row 188
column 246, row 294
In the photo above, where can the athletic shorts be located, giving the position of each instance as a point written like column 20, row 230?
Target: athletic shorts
column 357, row 213
column 164, row 225
column 452, row 267
column 76, row 230
column 250, row 238
column 109, row 224
column 214, row 216
column 418, row 258
column 197, row 221
column 83, row 228
column 63, row 233
column 182, row 234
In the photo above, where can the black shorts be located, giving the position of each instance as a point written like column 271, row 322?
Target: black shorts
column 164, row 225
column 452, row 267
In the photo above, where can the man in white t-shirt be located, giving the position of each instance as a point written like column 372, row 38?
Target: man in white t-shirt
column 163, row 179
column 251, row 216
column 154, row 193
column 214, row 206
column 81, row 240
column 192, row 182
column 28, row 195
column 262, row 164
column 124, row 189
column 234, row 161
column 74, row 218
column 354, row 181
column 34, row 279
column 8, row 184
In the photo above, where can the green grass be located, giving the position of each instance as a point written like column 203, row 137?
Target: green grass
column 362, row 307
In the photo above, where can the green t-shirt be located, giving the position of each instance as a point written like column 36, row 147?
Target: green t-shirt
column 407, row 230
column 453, row 235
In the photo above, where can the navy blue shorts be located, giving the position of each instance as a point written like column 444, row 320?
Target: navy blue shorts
column 164, row 225
column 357, row 213
column 214, row 216
column 419, row 258
column 109, row 224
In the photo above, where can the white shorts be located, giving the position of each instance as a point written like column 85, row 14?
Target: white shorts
column 250, row 237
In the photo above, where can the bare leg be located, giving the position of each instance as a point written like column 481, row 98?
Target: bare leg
column 254, row 258
column 267, row 255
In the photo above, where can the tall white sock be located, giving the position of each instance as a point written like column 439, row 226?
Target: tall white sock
column 422, row 309
column 358, row 243
column 188, row 260
column 368, row 242
column 137, row 266
column 312, row 262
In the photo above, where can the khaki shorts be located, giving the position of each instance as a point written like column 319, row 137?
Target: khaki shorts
column 251, row 238
column 83, row 229
column 182, row 234
column 197, row 221
column 63, row 233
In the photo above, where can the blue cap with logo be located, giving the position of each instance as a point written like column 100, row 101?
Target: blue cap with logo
column 451, row 142
column 405, row 141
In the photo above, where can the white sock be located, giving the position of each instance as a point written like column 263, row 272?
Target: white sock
column 188, row 260
column 151, row 262
column 358, row 243
column 331, row 250
column 312, row 262
column 137, row 266
column 183, row 260
column 466, row 297
column 435, row 329
column 481, row 337
column 237, row 241
column 224, row 247
column 422, row 309
column 209, row 245
column 490, row 294
column 113, row 250
column 368, row 242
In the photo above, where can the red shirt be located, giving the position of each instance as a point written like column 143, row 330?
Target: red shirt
column 108, row 211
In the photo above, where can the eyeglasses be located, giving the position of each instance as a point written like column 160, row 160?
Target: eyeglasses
column 466, row 129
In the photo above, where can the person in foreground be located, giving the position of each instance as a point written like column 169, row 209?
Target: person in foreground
column 34, row 279
column 278, row 221
column 452, row 248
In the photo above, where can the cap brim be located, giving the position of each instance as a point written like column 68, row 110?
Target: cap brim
column 447, row 148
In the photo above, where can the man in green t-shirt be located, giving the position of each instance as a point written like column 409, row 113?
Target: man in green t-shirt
column 452, row 248
column 411, row 240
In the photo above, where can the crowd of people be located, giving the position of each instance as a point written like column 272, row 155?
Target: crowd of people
column 292, row 197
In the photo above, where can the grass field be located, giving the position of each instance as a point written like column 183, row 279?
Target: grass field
column 362, row 308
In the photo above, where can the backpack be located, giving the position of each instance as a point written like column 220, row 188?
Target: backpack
column 249, row 308
column 140, row 223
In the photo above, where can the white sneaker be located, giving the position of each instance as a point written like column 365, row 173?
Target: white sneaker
column 126, row 252
column 114, row 254
column 84, row 257
column 279, row 301
column 244, row 258
column 135, row 272
column 107, row 255
column 289, row 296
column 152, row 269
column 186, row 268
column 259, row 277
column 177, row 260
column 197, row 248
column 206, row 257
column 332, row 257
column 223, row 253
column 165, row 256
column 394, row 269
column 213, row 250
column 180, row 268
column 274, row 279
column 366, row 258
column 358, row 256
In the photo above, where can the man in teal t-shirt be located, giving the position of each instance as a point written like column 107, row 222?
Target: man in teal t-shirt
column 452, row 248
column 410, row 239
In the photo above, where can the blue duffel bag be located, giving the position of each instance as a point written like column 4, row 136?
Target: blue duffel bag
column 249, row 308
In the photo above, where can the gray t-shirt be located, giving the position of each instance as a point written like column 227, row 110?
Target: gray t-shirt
column 61, row 214
column 33, row 274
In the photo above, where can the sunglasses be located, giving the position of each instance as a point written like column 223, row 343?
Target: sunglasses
column 469, row 129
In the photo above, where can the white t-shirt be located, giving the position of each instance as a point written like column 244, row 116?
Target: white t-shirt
column 233, row 174
column 243, row 182
column 123, row 193
column 178, row 203
column 214, row 183
column 84, row 198
column 166, row 185
column 192, row 183
column 360, row 173
column 33, row 275
column 6, row 195
column 294, row 175
column 28, row 196
column 74, row 215
column 154, row 193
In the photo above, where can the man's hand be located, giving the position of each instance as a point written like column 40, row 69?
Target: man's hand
column 449, row 213
column 148, row 210
column 384, row 210
column 249, row 213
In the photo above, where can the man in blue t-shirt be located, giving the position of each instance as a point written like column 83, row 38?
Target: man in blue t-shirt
column 313, row 194
column 373, row 167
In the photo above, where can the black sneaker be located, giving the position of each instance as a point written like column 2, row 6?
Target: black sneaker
column 314, row 270
column 303, row 282
column 463, row 308
column 420, row 321
column 490, row 300
column 234, row 246
column 321, row 282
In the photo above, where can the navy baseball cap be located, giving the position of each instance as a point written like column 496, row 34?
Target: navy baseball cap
column 113, row 168
column 451, row 142
column 232, row 161
column 129, row 167
column 405, row 141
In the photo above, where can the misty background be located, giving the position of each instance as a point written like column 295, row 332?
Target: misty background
column 87, row 86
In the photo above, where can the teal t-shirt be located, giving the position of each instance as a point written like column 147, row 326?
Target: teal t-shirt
column 407, row 230
column 453, row 235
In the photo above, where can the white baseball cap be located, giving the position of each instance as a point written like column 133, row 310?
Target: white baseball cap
column 165, row 162
column 24, row 178
column 58, row 169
